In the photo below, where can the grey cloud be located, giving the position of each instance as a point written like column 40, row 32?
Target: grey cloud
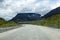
column 9, row 8
column 1, row 0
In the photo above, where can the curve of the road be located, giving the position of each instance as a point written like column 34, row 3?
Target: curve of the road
column 31, row 32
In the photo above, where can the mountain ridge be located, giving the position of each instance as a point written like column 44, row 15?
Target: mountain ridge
column 52, row 12
column 26, row 17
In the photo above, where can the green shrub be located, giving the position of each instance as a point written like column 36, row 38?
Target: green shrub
column 53, row 21
column 4, row 23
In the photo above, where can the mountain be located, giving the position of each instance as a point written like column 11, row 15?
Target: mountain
column 52, row 21
column 52, row 12
column 26, row 17
column 4, row 23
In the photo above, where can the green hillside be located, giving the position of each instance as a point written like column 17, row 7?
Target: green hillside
column 53, row 21
column 4, row 23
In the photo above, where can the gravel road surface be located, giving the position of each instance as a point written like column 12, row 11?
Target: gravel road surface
column 31, row 32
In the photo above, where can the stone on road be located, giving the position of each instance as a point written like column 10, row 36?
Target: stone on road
column 31, row 32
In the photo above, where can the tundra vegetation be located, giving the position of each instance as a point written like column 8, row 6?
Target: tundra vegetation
column 53, row 21
column 4, row 23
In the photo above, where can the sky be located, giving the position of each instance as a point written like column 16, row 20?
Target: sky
column 10, row 8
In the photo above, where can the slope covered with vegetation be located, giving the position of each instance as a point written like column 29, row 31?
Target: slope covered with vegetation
column 53, row 21
column 4, row 23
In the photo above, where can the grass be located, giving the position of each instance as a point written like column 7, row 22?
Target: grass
column 4, row 23
column 53, row 21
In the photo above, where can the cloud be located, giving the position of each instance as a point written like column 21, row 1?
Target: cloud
column 9, row 8
column 1, row 0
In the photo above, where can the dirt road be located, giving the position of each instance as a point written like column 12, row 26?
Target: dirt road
column 31, row 32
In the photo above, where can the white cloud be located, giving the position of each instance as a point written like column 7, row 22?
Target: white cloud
column 9, row 8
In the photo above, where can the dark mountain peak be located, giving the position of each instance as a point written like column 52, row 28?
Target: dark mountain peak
column 26, row 17
column 52, row 12
column 57, row 8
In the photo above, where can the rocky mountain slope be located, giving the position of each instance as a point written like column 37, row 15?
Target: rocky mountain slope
column 52, row 12
column 51, row 19
column 26, row 17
